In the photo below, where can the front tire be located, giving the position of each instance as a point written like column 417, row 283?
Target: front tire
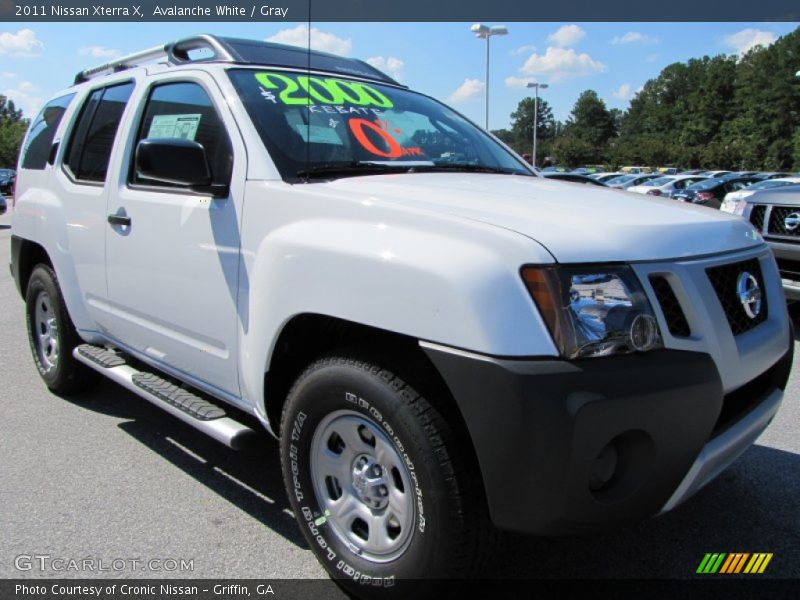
column 52, row 336
column 379, row 480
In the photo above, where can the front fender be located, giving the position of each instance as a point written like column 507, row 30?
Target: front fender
column 447, row 281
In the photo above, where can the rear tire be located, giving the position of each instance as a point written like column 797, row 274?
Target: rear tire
column 52, row 336
column 379, row 481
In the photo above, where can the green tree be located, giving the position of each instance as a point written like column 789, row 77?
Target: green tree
column 522, row 127
column 12, row 130
column 591, row 121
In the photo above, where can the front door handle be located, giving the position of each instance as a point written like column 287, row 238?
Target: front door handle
column 120, row 220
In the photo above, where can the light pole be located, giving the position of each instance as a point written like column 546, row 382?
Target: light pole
column 536, row 87
column 485, row 32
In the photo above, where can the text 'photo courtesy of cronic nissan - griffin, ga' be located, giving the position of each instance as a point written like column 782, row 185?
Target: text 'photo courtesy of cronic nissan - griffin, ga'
column 448, row 342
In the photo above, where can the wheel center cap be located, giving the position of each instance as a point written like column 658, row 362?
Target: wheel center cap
column 369, row 482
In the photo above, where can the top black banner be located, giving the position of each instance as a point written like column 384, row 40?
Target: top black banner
column 398, row 10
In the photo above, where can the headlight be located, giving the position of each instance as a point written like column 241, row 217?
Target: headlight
column 593, row 310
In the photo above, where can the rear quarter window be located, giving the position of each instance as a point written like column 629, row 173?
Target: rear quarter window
column 39, row 141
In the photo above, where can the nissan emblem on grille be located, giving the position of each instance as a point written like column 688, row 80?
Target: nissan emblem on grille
column 749, row 294
column 792, row 222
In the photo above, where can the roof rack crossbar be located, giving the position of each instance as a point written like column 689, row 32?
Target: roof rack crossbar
column 173, row 53
column 230, row 50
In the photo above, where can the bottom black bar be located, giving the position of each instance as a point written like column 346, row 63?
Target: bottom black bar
column 706, row 586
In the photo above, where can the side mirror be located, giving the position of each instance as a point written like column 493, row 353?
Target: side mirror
column 176, row 161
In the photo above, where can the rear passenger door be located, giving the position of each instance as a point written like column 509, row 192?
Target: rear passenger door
column 80, row 184
column 173, row 253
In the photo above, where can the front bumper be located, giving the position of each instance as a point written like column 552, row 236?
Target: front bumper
column 539, row 426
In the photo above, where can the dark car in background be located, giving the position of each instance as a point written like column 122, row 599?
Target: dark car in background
column 711, row 192
column 7, row 177
column 573, row 178
column 767, row 175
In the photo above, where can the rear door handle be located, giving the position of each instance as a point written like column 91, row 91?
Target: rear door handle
column 120, row 220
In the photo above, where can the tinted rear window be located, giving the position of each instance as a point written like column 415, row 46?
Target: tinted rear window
column 94, row 134
column 39, row 141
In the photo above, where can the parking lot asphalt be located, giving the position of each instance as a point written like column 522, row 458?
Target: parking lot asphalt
column 106, row 475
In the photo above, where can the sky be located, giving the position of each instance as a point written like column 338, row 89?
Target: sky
column 444, row 60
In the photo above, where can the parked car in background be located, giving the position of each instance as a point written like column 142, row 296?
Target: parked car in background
column 664, row 186
column 573, row 178
column 693, row 172
column 606, row 177
column 732, row 199
column 7, row 177
column 764, row 175
column 636, row 170
column 668, row 170
column 3, row 206
column 713, row 173
column 710, row 192
column 735, row 174
column 623, row 182
column 589, row 169
column 555, row 169
column 775, row 213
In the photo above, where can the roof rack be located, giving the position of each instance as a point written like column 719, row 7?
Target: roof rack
column 238, row 51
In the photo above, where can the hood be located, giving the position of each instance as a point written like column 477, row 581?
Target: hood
column 575, row 222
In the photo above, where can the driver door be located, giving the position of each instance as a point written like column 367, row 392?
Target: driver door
column 172, row 253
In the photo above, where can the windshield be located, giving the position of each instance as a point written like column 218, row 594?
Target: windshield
column 332, row 126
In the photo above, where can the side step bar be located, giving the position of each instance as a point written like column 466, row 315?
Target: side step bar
column 187, row 406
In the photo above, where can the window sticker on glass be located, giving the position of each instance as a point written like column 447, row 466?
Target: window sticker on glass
column 298, row 89
column 318, row 134
column 182, row 127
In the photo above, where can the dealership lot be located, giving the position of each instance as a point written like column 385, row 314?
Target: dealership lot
column 106, row 475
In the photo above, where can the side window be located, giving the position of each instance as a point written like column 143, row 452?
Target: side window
column 93, row 136
column 185, row 111
column 39, row 140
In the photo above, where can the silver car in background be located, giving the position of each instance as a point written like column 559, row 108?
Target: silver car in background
column 775, row 213
column 732, row 199
column 664, row 186
column 623, row 182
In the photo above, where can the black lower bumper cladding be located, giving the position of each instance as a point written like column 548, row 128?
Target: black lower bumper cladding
column 577, row 446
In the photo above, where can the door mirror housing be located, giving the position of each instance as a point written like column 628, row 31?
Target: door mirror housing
column 177, row 162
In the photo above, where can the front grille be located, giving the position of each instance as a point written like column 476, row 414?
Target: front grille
column 725, row 280
column 757, row 214
column 777, row 218
column 673, row 312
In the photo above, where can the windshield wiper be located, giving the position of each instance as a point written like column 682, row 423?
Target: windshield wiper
column 352, row 168
column 466, row 167
column 356, row 167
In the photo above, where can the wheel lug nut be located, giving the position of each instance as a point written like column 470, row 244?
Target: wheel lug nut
column 377, row 471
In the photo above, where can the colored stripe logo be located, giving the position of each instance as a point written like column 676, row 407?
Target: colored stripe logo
column 734, row 563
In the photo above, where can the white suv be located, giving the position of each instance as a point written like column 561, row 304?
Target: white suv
column 247, row 235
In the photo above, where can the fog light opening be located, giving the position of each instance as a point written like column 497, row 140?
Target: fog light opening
column 604, row 467
column 644, row 333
